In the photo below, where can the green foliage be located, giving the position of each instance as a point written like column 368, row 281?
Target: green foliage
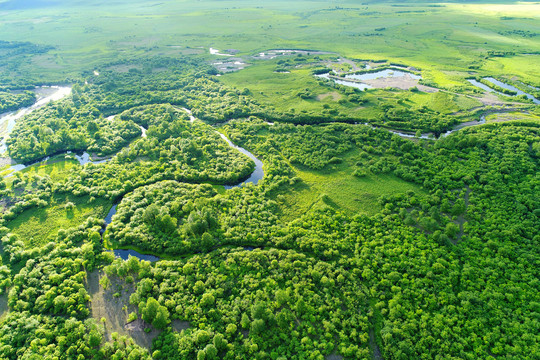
column 10, row 101
column 431, row 246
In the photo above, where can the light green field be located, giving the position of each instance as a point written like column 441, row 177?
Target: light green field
column 500, row 117
column 336, row 186
column 442, row 40
column 56, row 169
column 35, row 226
column 280, row 90
column 442, row 101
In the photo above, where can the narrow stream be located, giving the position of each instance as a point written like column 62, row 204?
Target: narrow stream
column 502, row 85
column 254, row 178
column 256, row 175
column 512, row 88
column 83, row 158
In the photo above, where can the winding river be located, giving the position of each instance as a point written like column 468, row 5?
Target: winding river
column 254, row 178
column 504, row 86
column 85, row 158
column 431, row 136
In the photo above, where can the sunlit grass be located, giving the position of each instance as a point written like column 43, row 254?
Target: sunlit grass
column 36, row 226
column 336, row 186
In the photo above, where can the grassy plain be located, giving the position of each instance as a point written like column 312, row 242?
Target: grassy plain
column 336, row 186
column 36, row 225
column 500, row 117
column 444, row 40
column 448, row 42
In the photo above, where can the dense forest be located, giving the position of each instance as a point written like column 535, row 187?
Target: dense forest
column 385, row 223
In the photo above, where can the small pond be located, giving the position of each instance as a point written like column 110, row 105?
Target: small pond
column 388, row 73
column 356, row 85
column 355, row 80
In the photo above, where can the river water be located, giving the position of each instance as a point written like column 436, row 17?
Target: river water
column 254, row 178
column 512, row 88
column 356, row 85
column 387, row 73
column 256, row 175
column 503, row 85
column 45, row 94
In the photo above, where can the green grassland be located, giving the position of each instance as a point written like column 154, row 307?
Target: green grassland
column 280, row 90
column 35, row 226
column 446, row 41
column 337, row 187
column 509, row 116
column 56, row 168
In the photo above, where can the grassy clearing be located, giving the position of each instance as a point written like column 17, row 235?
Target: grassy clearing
column 56, row 169
column 500, row 117
column 336, row 186
column 443, row 102
column 280, row 90
column 35, row 226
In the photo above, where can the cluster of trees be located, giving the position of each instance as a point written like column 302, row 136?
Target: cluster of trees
column 25, row 335
column 428, row 259
column 254, row 304
column 48, row 303
column 423, row 119
column 167, row 218
column 67, row 125
column 174, row 149
column 25, row 191
column 12, row 101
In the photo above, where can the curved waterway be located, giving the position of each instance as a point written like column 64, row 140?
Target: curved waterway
column 45, row 94
column 431, row 136
column 504, row 86
column 83, row 158
column 254, row 178
column 256, row 175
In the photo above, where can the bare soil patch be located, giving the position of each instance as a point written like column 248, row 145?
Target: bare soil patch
column 334, row 95
column 113, row 305
column 3, row 305
column 402, row 82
